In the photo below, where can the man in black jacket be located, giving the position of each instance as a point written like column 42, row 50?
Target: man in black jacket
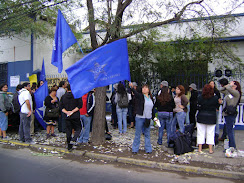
column 193, row 103
column 70, row 107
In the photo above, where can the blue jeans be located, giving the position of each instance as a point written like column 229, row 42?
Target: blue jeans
column 3, row 121
column 24, row 128
column 137, row 139
column 122, row 115
column 187, row 115
column 180, row 118
column 165, row 119
column 217, row 123
column 230, row 121
column 86, row 124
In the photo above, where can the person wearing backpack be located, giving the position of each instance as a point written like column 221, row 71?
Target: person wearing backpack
column 15, row 101
column 122, row 99
column 5, row 107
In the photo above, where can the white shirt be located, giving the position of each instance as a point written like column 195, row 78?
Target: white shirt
column 23, row 96
column 60, row 92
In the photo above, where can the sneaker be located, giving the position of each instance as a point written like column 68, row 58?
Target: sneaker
column 53, row 135
column 48, row 136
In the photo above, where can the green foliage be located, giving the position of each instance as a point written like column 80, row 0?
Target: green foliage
column 32, row 16
column 152, row 61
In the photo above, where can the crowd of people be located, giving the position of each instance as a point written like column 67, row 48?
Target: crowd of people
column 174, row 108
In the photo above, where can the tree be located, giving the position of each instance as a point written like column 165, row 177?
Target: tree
column 19, row 16
column 113, row 23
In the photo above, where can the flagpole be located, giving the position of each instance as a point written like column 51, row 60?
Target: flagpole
column 80, row 48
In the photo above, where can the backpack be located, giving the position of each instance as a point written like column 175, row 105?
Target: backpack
column 182, row 145
column 16, row 104
column 123, row 101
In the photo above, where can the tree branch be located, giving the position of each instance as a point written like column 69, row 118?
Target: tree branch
column 153, row 25
column 92, row 28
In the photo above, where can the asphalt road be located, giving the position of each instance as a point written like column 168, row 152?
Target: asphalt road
column 17, row 166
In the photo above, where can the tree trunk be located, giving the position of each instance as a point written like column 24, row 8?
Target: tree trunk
column 98, row 126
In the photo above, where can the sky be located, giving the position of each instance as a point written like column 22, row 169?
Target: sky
column 145, row 10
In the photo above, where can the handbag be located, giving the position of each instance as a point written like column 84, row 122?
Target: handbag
column 52, row 113
column 230, row 110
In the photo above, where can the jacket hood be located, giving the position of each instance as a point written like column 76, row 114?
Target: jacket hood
column 70, row 95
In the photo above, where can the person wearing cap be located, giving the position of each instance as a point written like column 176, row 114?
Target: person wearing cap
column 162, row 84
column 193, row 103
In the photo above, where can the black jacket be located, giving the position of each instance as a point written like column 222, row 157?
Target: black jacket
column 193, row 101
column 90, row 105
column 139, row 103
column 69, row 103
column 167, row 107
column 207, row 110
column 50, row 105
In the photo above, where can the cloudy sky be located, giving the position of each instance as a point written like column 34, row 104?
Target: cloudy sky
column 157, row 10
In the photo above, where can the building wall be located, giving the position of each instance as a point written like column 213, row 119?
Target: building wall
column 16, row 52
column 22, row 69
column 43, row 50
column 17, row 48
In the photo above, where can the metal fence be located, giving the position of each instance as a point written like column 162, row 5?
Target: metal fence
column 201, row 79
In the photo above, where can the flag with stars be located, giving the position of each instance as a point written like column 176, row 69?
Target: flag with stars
column 40, row 95
column 106, row 65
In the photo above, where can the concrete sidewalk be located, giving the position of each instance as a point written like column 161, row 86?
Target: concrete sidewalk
column 119, row 150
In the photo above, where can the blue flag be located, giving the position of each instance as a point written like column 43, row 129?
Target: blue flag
column 40, row 95
column 63, row 39
column 43, row 73
column 105, row 65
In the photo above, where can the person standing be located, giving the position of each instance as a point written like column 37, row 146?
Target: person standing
column 216, row 93
column 144, row 114
column 232, row 98
column 165, row 105
column 25, row 101
column 193, row 103
column 52, row 103
column 5, row 107
column 32, row 125
column 122, row 99
column 131, row 108
column 180, row 109
column 86, row 114
column 206, row 117
column 70, row 107
column 60, row 92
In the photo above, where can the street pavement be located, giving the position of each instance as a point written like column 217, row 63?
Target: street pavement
column 22, row 166
column 119, row 150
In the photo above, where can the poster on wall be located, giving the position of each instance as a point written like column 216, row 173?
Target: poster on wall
column 14, row 81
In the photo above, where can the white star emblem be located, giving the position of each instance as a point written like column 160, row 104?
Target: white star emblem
column 42, row 108
column 97, row 70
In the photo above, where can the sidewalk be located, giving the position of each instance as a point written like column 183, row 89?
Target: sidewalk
column 119, row 150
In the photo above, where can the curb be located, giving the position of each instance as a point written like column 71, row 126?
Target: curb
column 138, row 162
